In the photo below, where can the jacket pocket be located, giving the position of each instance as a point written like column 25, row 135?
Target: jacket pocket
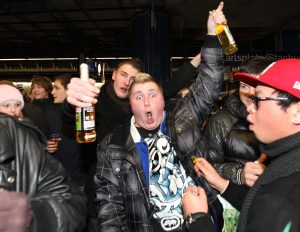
column 126, row 173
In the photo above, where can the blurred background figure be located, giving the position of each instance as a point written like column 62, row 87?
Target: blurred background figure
column 11, row 100
column 41, row 87
column 59, row 92
column 69, row 153
column 41, row 104
column 40, row 96
column 42, row 111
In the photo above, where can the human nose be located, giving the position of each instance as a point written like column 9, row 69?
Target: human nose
column 127, row 81
column 251, row 107
column 252, row 91
column 13, row 108
column 146, row 101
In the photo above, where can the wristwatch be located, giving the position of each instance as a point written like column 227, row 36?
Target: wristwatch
column 191, row 218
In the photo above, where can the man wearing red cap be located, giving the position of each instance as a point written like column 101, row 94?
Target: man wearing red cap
column 273, row 203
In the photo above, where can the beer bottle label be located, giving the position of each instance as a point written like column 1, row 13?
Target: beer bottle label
column 85, row 118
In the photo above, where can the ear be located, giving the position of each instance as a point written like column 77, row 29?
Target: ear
column 296, row 114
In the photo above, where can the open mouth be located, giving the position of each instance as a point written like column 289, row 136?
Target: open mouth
column 250, row 123
column 149, row 118
column 125, row 90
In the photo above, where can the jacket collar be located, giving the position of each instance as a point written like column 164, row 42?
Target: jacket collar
column 42, row 102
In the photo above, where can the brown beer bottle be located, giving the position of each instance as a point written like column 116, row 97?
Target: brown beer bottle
column 85, row 117
column 226, row 39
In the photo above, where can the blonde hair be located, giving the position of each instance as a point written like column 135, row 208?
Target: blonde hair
column 142, row 78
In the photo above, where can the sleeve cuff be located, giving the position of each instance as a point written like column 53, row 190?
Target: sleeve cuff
column 212, row 41
column 225, row 188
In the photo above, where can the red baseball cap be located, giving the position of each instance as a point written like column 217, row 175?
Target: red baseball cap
column 282, row 75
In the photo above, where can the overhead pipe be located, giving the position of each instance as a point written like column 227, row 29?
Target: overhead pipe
column 43, row 67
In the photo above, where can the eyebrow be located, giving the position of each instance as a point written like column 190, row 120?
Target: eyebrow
column 137, row 92
column 149, row 90
column 123, row 72
column 258, row 91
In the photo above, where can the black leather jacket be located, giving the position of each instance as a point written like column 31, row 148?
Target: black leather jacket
column 25, row 167
column 122, row 197
column 231, row 144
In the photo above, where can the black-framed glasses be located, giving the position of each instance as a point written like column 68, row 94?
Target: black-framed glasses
column 256, row 100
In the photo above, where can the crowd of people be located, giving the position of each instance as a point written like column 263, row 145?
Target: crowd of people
column 160, row 162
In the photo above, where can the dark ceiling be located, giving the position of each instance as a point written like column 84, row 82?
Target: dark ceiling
column 101, row 28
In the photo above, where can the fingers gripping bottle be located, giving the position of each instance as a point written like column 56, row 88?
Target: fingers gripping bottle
column 85, row 117
column 226, row 39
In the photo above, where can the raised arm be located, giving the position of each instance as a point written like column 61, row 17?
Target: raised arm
column 205, row 91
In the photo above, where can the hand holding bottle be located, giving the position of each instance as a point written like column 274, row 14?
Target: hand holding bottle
column 217, row 25
column 82, row 93
column 85, row 116
column 215, row 17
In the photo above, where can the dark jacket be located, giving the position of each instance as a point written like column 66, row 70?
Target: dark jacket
column 71, row 153
column 45, row 115
column 56, row 203
column 231, row 144
column 48, row 117
column 273, row 201
column 122, row 197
